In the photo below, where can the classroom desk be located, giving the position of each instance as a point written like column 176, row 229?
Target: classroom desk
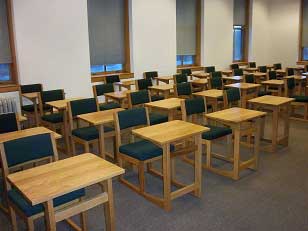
column 126, row 83
column 170, row 105
column 99, row 119
column 211, row 97
column 270, row 67
column 170, row 132
column 200, row 74
column 277, row 105
column 165, row 89
column 233, row 79
column 119, row 96
column 251, row 69
column 227, row 72
column 236, row 118
column 203, row 83
column 298, row 69
column 33, row 97
column 245, row 91
column 258, row 76
column 299, row 81
column 164, row 79
column 281, row 72
column 274, row 83
column 40, row 185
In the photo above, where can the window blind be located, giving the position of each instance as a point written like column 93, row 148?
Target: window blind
column 106, row 31
column 186, row 16
column 239, row 12
column 5, row 50
column 305, row 24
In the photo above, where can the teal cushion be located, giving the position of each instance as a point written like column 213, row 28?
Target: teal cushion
column 108, row 106
column 8, row 123
column 263, row 93
column 30, row 108
column 156, row 118
column 301, row 98
column 29, row 210
column 53, row 118
column 89, row 133
column 142, row 150
column 157, row 97
column 216, row 132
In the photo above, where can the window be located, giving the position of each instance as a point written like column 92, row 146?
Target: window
column 7, row 62
column 240, row 30
column 303, row 49
column 188, row 32
column 108, row 36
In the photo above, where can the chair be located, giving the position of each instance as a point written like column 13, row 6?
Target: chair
column 187, row 72
column 272, row 75
column 210, row 69
column 180, row 78
column 144, row 84
column 215, row 81
column 150, row 75
column 191, row 108
column 234, row 66
column 24, row 151
column 252, row 64
column 238, row 72
column 9, row 123
column 139, row 98
column 113, row 79
column 277, row 66
column 232, row 96
column 85, row 136
column 262, row 69
column 100, row 90
column 249, row 78
column 290, row 71
column 183, row 90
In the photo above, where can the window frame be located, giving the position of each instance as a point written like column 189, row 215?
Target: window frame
column 300, row 37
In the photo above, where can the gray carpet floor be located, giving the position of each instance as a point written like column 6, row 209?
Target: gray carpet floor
column 273, row 198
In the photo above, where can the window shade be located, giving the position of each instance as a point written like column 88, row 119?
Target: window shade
column 5, row 50
column 106, row 31
column 186, row 15
column 305, row 24
column 239, row 12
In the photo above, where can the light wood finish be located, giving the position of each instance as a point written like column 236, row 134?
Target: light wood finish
column 33, row 97
column 164, row 79
column 245, row 93
column 62, row 104
column 251, row 69
column 274, row 83
column 279, row 106
column 281, row 72
column 166, row 89
column 233, row 79
column 119, row 96
column 170, row 105
column 102, row 77
column 21, row 118
column 201, row 83
column 200, row 74
column 126, row 84
column 236, row 119
column 227, row 72
column 300, row 80
column 99, row 119
column 211, row 97
column 258, row 76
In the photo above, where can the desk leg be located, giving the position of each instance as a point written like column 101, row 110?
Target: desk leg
column 109, row 207
column 287, row 124
column 101, row 141
column 170, row 115
column 280, row 90
column 215, row 105
column 66, row 133
column 256, row 147
column 236, row 152
column 275, row 128
column 244, row 98
column 167, row 177
column 166, row 94
column 50, row 216
column 36, row 113
column 198, row 166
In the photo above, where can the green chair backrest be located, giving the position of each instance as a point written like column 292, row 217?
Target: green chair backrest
column 150, row 74
column 233, row 95
column 180, row 78
column 249, row 78
column 272, row 75
column 112, row 79
column 210, row 69
column 216, row 82
column 238, row 72
column 186, row 72
column 139, row 97
column 8, row 123
column 83, row 106
column 252, row 64
column 290, row 83
column 263, row 69
column 277, row 66
column 195, row 106
column 144, row 84
column 104, row 88
column 217, row 74
column 29, row 88
column 290, row 71
column 53, row 95
column 183, row 89
column 132, row 118
column 234, row 66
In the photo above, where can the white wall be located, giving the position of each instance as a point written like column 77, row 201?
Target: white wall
column 52, row 44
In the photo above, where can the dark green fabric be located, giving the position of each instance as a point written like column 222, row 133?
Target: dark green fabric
column 101, row 89
column 252, row 64
column 216, row 82
column 277, row 66
column 156, row 118
column 220, row 98
column 180, row 78
column 142, row 150
column 139, row 97
column 186, row 72
column 263, row 93
column 132, row 117
column 89, row 133
column 48, row 96
column 249, row 78
column 30, row 108
column 263, row 69
column 112, row 79
column 233, row 94
column 108, row 106
column 216, row 74
column 183, row 89
column 157, row 97
column 8, row 123
column 301, row 98
column 238, row 72
column 235, row 66
column 194, row 106
column 27, row 149
column 210, row 69
column 144, row 84
column 151, row 75
column 216, row 132
column 83, row 106
column 29, row 88
column 272, row 75
column 53, row 118
column 16, row 198
column 290, row 71
column 291, row 83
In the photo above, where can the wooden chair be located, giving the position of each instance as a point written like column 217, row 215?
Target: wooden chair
column 290, row 71
column 144, row 84
column 183, row 90
column 89, row 135
column 249, row 78
column 138, row 99
column 238, row 72
column 234, row 66
column 31, row 150
column 100, row 90
column 112, row 79
column 277, row 66
column 180, row 78
column 150, row 75
column 215, row 81
column 232, row 96
column 252, row 65
column 187, row 72
column 191, row 109
column 210, row 69
column 262, row 69
column 9, row 123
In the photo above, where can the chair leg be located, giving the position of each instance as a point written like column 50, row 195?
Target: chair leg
column 208, row 153
column 30, row 224
column 115, row 150
column 13, row 218
column 83, row 221
column 141, row 176
column 73, row 147
column 86, row 147
column 230, row 146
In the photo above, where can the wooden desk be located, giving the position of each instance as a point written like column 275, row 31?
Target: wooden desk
column 281, row 72
column 203, row 83
column 163, row 135
column 99, row 119
column 274, row 83
column 44, row 183
column 227, row 72
column 164, row 79
column 170, row 105
column 300, row 80
column 200, row 74
column 277, row 105
column 244, row 89
column 211, row 96
column 251, row 69
column 270, row 67
column 119, row 96
column 235, row 119
column 33, row 97
column 127, row 84
column 233, row 79
column 165, row 89
column 258, row 76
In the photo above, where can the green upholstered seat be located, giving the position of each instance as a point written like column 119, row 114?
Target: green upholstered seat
column 144, row 84
column 142, row 150
column 180, row 78
column 238, row 72
column 89, row 133
column 150, row 74
column 263, row 69
column 53, row 118
column 234, row 66
column 272, row 75
column 301, row 98
column 15, row 197
column 249, row 78
column 277, row 66
column 157, row 97
column 108, row 106
column 252, row 64
column 8, row 123
column 210, row 69
column 112, row 79
column 156, row 118
column 263, row 93
column 102, row 89
column 29, row 88
column 30, row 108
column 216, row 132
column 184, row 89
column 186, row 72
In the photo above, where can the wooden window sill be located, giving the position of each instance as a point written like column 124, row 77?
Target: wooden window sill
column 8, row 87
column 193, row 68
column 101, row 77
column 302, row 62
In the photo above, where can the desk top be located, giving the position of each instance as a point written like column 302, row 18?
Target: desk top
column 259, row 74
column 46, row 182
column 281, row 71
column 212, row 93
column 273, row 82
column 200, row 74
column 271, row 100
column 235, row 78
column 226, row 72
column 170, row 131
column 163, row 87
column 25, row 133
column 61, row 104
column 243, row 85
column 199, row 81
column 251, row 69
column 169, row 104
column 296, row 77
column 118, row 94
column 31, row 96
column 100, row 117
column 235, row 115
column 164, row 77
column 125, row 83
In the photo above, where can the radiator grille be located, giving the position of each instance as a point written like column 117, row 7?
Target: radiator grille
column 7, row 105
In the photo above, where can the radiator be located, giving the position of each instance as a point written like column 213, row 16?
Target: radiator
column 7, row 105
